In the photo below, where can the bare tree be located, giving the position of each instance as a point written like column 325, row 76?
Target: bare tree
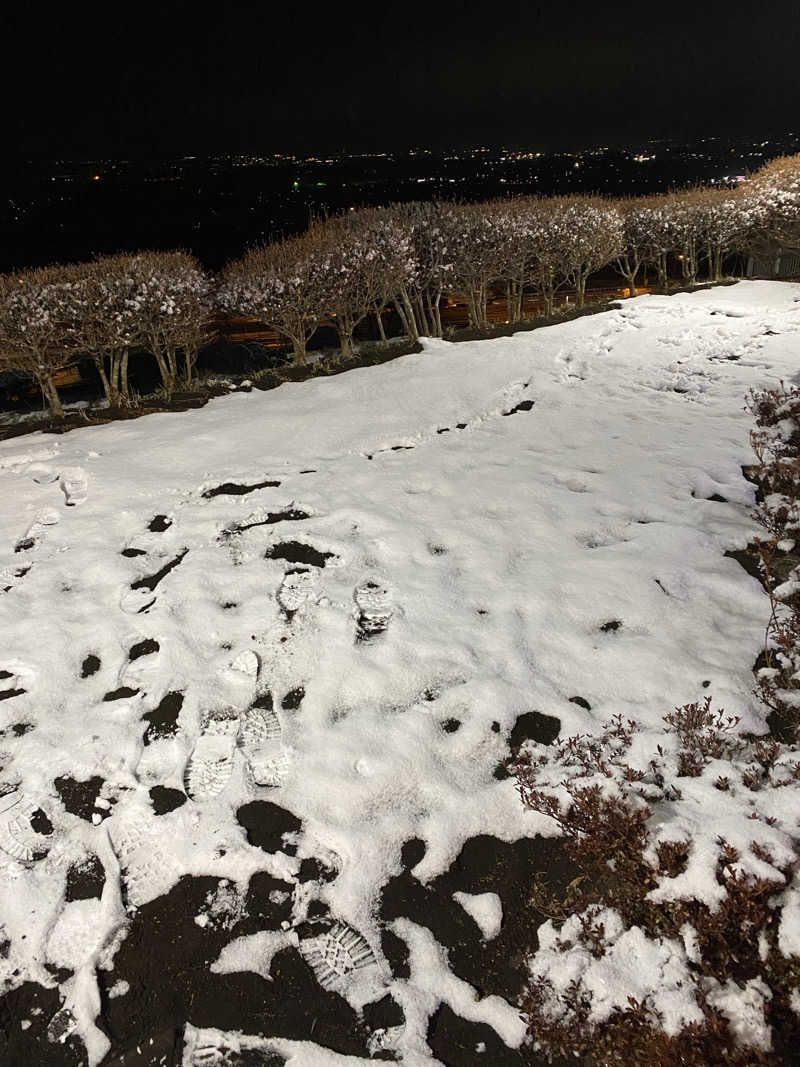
column 480, row 234
column 285, row 285
column 426, row 264
column 171, row 296
column 105, row 320
column 35, row 336
column 724, row 221
column 592, row 236
column 638, row 246
column 397, row 261
column 771, row 208
column 365, row 266
column 528, row 256
column 547, row 241
column 687, row 221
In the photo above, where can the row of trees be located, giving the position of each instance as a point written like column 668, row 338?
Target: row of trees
column 403, row 258
column 154, row 302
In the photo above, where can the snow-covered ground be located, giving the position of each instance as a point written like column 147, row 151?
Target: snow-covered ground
column 480, row 568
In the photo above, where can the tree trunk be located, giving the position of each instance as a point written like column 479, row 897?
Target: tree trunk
column 190, row 355
column 434, row 314
column 163, row 368
column 344, row 327
column 410, row 317
column 690, row 262
column 299, row 347
column 661, row 268
column 580, row 289
column 404, row 323
column 518, row 310
column 172, row 363
column 473, row 304
column 51, row 396
column 112, row 399
column 438, row 312
column 379, row 320
column 123, row 375
column 483, row 296
column 115, row 369
column 422, row 318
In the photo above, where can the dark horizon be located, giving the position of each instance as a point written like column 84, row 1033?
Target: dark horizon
column 257, row 80
column 344, row 151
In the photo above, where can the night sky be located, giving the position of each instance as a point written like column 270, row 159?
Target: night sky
column 134, row 82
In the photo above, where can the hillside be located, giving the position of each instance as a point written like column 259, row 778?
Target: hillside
column 261, row 664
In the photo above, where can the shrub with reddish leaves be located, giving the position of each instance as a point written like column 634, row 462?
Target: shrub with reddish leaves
column 678, row 942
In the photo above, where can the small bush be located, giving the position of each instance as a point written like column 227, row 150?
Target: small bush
column 655, row 876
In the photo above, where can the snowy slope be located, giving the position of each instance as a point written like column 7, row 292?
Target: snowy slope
column 504, row 548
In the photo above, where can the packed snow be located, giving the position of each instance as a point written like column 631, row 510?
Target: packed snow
column 485, row 908
column 454, row 537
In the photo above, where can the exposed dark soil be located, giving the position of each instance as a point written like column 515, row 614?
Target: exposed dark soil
column 40, row 823
column 293, row 699
column 7, row 694
column 267, row 824
column 534, row 726
column 166, row 956
column 290, row 515
column 714, row 496
column 313, row 869
column 90, row 666
column 484, row 865
column 122, row 693
column 166, row 959
column 530, row 726
column 234, row 489
column 30, row 1047
column 582, row 702
column 153, row 580
column 144, row 648
column 79, row 797
column 165, row 800
column 85, row 880
column 457, row 1042
column 18, row 729
column 163, row 720
column 296, row 552
column 524, row 405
